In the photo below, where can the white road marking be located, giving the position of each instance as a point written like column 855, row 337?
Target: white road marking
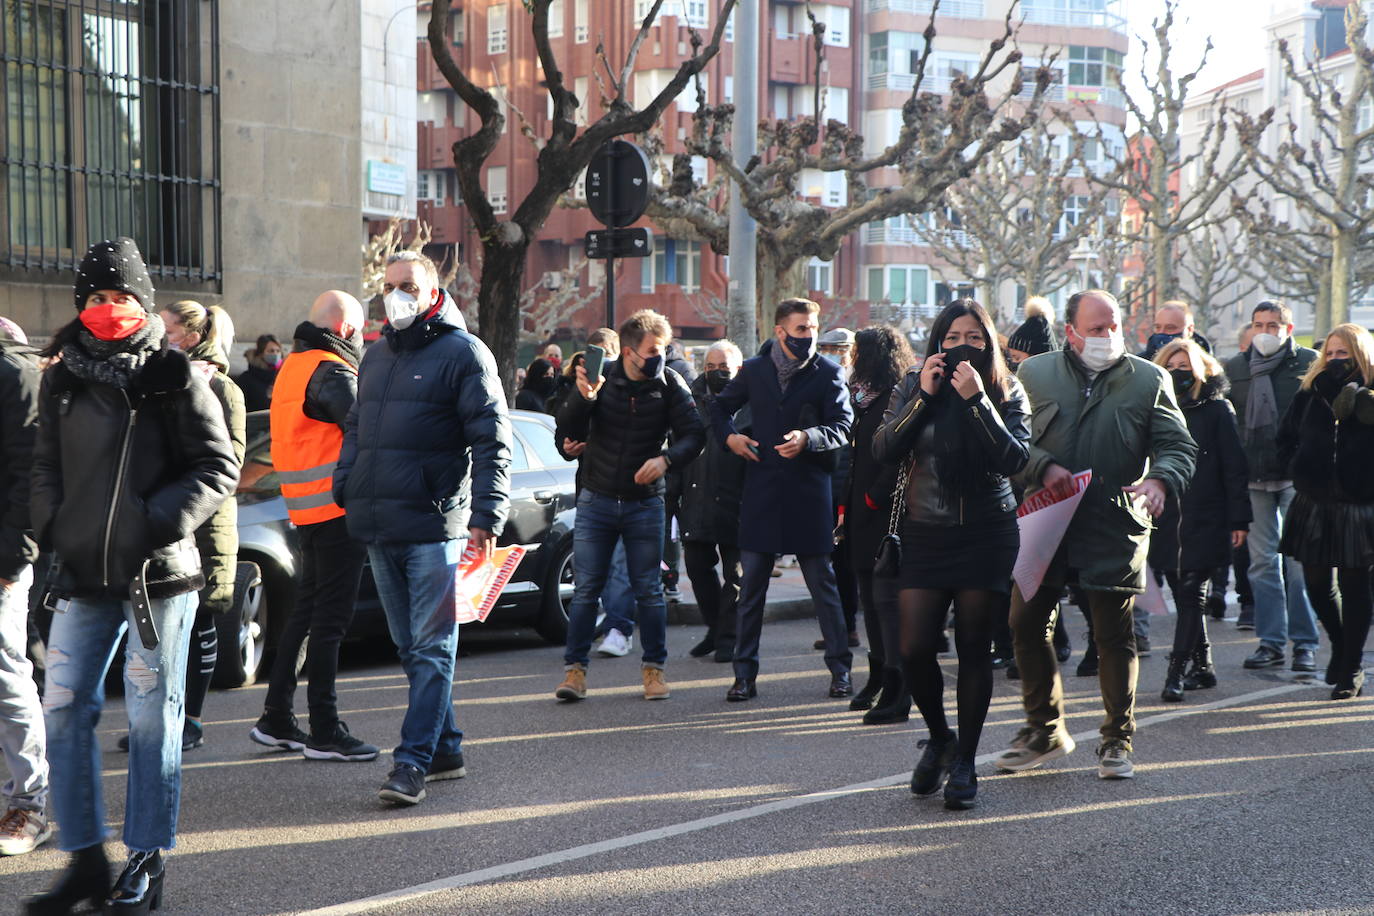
column 562, row 856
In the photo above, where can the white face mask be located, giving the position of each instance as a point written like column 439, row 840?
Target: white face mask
column 401, row 308
column 1101, row 353
column 1266, row 344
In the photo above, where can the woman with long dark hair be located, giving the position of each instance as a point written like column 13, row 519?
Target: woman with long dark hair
column 256, row 382
column 881, row 357
column 1326, row 439
column 959, row 426
column 1197, row 534
column 132, row 456
column 539, row 385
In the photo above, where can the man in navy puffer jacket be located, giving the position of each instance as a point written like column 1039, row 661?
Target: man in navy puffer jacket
column 425, row 467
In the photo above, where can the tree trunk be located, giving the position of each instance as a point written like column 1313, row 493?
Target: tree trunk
column 1162, row 265
column 1336, row 310
column 498, row 306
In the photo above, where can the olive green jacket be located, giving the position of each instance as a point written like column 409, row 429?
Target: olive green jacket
column 1124, row 426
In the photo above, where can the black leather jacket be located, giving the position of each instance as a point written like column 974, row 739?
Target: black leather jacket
column 906, row 433
column 126, row 475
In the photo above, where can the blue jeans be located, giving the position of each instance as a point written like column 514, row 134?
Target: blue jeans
column 416, row 585
column 1282, row 610
column 81, row 647
column 601, row 522
column 617, row 598
column 21, row 713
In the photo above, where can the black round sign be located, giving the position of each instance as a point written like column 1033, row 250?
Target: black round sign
column 618, row 184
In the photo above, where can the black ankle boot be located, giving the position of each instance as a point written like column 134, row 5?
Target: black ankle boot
column 1201, row 675
column 139, row 888
column 87, row 879
column 864, row 698
column 894, row 703
column 1173, row 680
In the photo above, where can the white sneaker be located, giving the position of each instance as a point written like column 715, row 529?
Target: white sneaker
column 22, row 830
column 615, row 645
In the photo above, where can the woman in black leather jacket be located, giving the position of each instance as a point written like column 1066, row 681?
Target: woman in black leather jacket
column 1325, row 440
column 132, row 456
column 960, row 424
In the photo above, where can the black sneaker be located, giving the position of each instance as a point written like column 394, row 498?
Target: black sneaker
column 279, row 734
column 961, row 791
column 405, row 785
column 446, row 766
column 1264, row 657
column 339, row 745
column 934, row 764
column 1216, row 606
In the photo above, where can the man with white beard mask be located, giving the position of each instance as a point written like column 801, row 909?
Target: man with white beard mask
column 1094, row 408
column 1264, row 379
column 424, row 473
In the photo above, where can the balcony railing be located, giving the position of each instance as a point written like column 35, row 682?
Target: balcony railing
column 955, row 9
column 1089, row 19
column 905, row 82
column 906, row 235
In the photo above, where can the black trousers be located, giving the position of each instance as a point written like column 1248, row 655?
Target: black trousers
column 820, row 581
column 848, row 584
column 1343, row 600
column 878, row 597
column 717, row 599
column 331, row 567
column 1190, row 596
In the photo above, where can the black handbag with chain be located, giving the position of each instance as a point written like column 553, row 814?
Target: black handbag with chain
column 888, row 560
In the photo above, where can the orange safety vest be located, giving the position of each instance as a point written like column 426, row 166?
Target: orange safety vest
column 304, row 451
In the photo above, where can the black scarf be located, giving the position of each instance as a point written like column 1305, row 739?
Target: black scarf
column 962, row 466
column 318, row 338
column 111, row 362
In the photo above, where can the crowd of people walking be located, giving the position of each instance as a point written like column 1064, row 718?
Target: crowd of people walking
column 894, row 480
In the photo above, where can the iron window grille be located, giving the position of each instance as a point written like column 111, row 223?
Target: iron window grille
column 109, row 125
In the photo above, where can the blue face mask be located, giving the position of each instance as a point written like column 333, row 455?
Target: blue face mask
column 652, row 367
column 1158, row 341
column 800, row 347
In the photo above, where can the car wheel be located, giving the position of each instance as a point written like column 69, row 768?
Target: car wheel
column 557, row 595
column 242, row 630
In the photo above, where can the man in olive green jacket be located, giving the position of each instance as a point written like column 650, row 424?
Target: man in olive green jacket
column 1094, row 408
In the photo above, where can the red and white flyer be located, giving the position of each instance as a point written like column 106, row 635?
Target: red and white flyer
column 479, row 581
column 1043, row 520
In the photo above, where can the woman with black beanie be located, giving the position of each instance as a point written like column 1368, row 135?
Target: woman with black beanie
column 881, row 357
column 132, row 456
column 1325, row 440
column 958, row 429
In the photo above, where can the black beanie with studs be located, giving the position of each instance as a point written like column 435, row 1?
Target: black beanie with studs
column 114, row 264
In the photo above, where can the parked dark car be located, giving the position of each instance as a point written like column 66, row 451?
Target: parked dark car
column 538, row 595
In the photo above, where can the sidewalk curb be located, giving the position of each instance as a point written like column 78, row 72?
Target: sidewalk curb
column 685, row 613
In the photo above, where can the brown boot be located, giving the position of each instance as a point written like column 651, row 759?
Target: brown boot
column 574, row 686
column 655, row 688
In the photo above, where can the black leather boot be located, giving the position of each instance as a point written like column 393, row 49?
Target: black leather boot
column 1201, row 675
column 86, row 880
column 1173, row 680
column 139, row 888
column 864, row 698
column 893, row 704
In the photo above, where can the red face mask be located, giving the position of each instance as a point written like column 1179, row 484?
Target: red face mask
column 113, row 321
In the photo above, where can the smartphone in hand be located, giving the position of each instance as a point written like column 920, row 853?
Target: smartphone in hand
column 593, row 362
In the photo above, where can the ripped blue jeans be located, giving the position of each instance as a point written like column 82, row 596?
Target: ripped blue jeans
column 80, row 649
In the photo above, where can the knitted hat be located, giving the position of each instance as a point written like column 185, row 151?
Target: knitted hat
column 114, row 265
column 1033, row 337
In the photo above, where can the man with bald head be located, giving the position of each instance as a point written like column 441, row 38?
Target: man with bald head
column 1174, row 321
column 1097, row 409
column 316, row 388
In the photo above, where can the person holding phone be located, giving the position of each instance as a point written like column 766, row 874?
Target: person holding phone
column 959, row 425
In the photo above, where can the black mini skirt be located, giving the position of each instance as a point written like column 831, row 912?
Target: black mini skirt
column 1329, row 533
column 956, row 557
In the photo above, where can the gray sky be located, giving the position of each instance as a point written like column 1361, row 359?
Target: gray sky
column 1236, row 28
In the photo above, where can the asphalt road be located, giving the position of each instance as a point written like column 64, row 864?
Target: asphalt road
column 1255, row 797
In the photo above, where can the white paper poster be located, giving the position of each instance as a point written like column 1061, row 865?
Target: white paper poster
column 1043, row 519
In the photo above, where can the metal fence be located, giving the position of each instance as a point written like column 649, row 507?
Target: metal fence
column 109, row 125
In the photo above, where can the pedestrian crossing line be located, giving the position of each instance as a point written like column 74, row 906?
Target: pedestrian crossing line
column 587, row 850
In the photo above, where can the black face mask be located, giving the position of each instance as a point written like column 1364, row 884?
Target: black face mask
column 1339, row 368
column 717, row 379
column 652, row 367
column 979, row 357
column 1333, row 377
column 1183, row 383
column 800, row 347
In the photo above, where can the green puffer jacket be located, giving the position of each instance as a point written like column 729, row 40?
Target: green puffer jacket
column 1126, row 426
column 218, row 538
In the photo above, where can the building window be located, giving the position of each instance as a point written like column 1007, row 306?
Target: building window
column 556, row 16
column 836, row 22
column 728, row 90
column 431, row 185
column 581, row 19
column 694, row 13
column 496, row 188
column 1094, row 66
column 675, row 262
column 819, row 276
column 642, row 8
column 101, row 134
column 431, row 107
column 901, row 284
column 498, row 32
column 730, row 26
